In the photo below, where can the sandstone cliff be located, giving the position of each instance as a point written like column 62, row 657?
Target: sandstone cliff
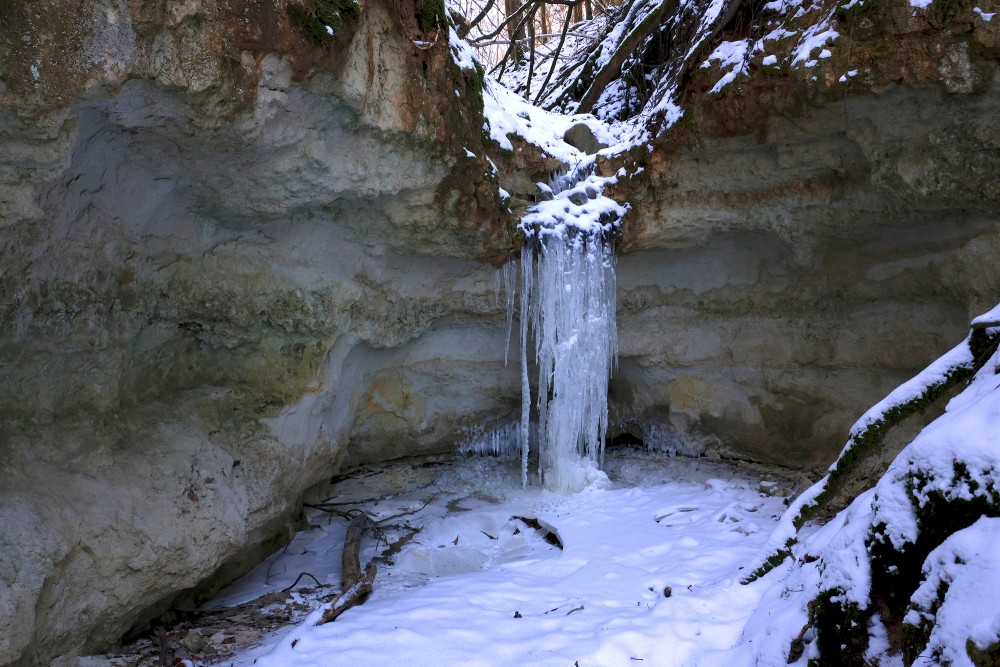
column 239, row 257
column 228, row 252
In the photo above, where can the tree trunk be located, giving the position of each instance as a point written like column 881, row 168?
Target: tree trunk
column 515, row 34
column 351, row 556
column 613, row 67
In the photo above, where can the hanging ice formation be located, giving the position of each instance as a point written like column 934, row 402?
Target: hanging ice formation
column 568, row 303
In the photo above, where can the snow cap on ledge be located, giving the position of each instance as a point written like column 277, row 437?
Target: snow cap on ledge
column 577, row 209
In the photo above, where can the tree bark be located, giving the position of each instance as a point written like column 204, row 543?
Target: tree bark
column 515, row 31
column 357, row 585
column 352, row 597
column 351, row 558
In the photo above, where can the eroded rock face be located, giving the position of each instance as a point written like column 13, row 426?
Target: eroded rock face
column 228, row 253
column 236, row 261
column 801, row 244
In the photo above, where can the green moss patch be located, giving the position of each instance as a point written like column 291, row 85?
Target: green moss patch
column 860, row 445
column 324, row 21
column 841, row 631
column 987, row 657
column 431, row 15
column 773, row 561
column 982, row 345
column 850, row 12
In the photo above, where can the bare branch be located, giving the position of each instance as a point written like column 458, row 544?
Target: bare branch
column 352, row 597
column 555, row 57
column 502, row 65
column 301, row 574
column 497, row 42
column 531, row 57
column 500, row 28
column 612, row 68
column 479, row 17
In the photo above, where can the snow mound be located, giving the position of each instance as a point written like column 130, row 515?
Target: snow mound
column 917, row 548
column 957, row 601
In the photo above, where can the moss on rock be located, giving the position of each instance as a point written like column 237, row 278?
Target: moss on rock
column 986, row 657
column 773, row 561
column 841, row 630
column 431, row 15
column 861, row 444
column 324, row 21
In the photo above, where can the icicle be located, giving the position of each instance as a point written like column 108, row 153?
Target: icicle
column 576, row 342
column 501, row 442
column 508, row 272
column 527, row 273
column 568, row 299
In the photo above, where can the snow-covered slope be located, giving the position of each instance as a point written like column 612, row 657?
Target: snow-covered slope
column 914, row 558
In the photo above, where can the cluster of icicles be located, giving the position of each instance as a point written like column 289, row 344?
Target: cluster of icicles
column 567, row 305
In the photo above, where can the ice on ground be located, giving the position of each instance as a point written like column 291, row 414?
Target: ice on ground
column 479, row 587
column 502, row 441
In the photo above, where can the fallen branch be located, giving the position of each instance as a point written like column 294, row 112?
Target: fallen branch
column 357, row 586
column 397, row 546
column 407, row 513
column 547, row 533
column 351, row 558
column 301, row 574
column 352, row 597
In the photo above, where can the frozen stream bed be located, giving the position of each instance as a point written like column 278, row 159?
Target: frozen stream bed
column 648, row 570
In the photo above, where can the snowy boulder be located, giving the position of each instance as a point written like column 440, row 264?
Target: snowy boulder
column 987, row 320
column 581, row 136
column 907, row 552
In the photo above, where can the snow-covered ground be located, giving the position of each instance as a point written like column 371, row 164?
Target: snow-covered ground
column 650, row 566
column 477, row 586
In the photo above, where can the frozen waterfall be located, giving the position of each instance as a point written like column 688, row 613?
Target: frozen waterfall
column 567, row 305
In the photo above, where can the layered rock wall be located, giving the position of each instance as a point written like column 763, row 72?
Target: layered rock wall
column 237, row 260
column 228, row 252
column 805, row 240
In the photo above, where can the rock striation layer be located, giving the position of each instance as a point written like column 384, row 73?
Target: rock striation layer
column 807, row 239
column 239, row 257
column 234, row 261
column 793, row 272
